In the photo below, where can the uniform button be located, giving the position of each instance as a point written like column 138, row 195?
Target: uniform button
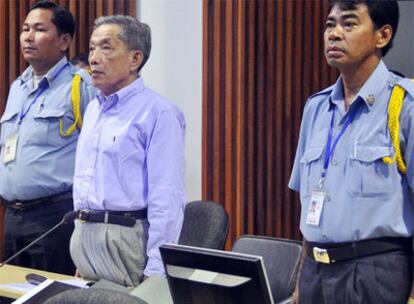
column 334, row 162
column 325, row 237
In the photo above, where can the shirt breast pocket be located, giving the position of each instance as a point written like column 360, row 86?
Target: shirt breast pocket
column 311, row 169
column 8, row 123
column 45, row 127
column 368, row 175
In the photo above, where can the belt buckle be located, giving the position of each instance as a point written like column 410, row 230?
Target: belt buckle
column 80, row 215
column 321, row 255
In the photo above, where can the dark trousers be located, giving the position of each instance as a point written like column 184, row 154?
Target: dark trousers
column 51, row 253
column 380, row 279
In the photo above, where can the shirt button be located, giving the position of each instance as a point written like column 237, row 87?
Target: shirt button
column 334, row 162
column 325, row 237
column 328, row 198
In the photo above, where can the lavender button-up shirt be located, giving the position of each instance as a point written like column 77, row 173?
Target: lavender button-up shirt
column 130, row 156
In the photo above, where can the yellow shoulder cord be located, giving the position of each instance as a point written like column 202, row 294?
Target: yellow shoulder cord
column 76, row 108
column 394, row 110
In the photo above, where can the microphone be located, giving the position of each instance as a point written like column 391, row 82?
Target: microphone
column 67, row 218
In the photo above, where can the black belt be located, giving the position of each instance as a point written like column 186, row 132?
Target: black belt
column 31, row 204
column 337, row 252
column 123, row 218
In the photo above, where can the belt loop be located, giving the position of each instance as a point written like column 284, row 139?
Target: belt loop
column 354, row 250
column 106, row 217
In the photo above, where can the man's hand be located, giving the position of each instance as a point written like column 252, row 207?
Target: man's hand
column 77, row 273
column 411, row 298
column 295, row 296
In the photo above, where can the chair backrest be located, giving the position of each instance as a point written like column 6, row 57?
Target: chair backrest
column 281, row 259
column 93, row 296
column 205, row 225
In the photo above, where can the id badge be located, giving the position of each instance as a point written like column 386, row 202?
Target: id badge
column 315, row 208
column 10, row 148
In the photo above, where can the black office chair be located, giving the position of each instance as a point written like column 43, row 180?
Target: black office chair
column 93, row 296
column 205, row 225
column 281, row 258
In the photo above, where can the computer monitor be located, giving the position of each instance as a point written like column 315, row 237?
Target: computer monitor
column 206, row 276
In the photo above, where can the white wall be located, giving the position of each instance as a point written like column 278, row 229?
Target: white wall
column 401, row 56
column 174, row 69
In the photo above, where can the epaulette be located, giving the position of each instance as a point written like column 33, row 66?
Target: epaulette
column 85, row 76
column 408, row 86
column 326, row 91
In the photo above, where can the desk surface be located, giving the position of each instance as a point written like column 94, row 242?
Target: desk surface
column 10, row 274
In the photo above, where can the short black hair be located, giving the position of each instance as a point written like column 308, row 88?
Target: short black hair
column 382, row 12
column 80, row 58
column 61, row 18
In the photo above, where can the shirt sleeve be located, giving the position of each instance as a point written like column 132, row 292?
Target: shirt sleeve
column 294, row 182
column 166, row 186
column 407, row 123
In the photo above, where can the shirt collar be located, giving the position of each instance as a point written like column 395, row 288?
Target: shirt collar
column 374, row 86
column 337, row 93
column 369, row 92
column 122, row 95
column 50, row 75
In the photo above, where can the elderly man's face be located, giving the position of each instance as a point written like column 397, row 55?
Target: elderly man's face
column 113, row 66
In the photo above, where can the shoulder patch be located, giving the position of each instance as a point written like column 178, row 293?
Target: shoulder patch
column 326, row 91
column 408, row 85
column 84, row 76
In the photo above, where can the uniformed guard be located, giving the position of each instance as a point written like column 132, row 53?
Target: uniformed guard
column 354, row 166
column 39, row 132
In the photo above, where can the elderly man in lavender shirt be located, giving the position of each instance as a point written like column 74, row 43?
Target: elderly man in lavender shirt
column 129, row 171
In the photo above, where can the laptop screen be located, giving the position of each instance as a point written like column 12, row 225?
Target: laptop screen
column 200, row 275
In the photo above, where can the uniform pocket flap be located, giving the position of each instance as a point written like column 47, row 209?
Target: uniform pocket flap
column 371, row 153
column 312, row 154
column 8, row 115
column 49, row 113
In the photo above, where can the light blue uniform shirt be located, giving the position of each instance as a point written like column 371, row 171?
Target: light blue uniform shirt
column 130, row 156
column 45, row 160
column 365, row 198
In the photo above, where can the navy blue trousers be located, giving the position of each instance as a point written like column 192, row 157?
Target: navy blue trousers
column 380, row 279
column 51, row 253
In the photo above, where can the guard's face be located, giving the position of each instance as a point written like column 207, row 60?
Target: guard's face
column 40, row 41
column 350, row 38
column 113, row 66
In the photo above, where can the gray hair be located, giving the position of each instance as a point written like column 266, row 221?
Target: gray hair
column 135, row 34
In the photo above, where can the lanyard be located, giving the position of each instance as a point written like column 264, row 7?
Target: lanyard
column 43, row 85
column 330, row 147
